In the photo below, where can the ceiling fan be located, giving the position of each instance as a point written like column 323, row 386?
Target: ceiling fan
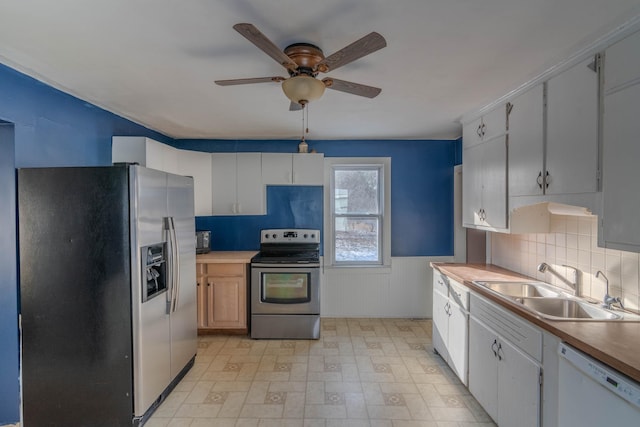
column 304, row 61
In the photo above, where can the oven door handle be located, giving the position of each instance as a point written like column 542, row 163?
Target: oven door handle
column 294, row 265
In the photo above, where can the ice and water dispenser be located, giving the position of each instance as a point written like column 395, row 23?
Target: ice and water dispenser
column 154, row 270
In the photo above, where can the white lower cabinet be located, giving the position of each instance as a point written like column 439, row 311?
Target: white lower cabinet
column 450, row 323
column 504, row 364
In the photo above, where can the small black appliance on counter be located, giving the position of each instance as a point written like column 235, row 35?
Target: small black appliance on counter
column 203, row 241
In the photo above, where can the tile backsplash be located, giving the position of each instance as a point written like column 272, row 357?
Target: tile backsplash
column 572, row 241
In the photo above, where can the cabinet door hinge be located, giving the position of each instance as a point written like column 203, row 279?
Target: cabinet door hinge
column 595, row 65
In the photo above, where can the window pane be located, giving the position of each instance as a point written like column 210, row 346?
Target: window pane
column 356, row 239
column 356, row 191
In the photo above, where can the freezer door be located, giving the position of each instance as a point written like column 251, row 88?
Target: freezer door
column 184, row 305
column 75, row 296
column 151, row 337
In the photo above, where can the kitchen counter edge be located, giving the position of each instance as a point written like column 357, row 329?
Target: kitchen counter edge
column 613, row 343
column 226, row 257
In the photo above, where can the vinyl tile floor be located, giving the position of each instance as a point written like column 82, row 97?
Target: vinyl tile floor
column 361, row 372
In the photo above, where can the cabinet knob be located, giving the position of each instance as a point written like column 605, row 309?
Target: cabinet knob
column 494, row 347
column 539, row 179
column 499, row 350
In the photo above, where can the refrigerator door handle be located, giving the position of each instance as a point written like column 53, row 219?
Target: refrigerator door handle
column 170, row 232
column 175, row 259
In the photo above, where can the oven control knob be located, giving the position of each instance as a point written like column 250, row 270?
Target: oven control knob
column 274, row 235
column 313, row 236
column 306, row 235
column 266, row 236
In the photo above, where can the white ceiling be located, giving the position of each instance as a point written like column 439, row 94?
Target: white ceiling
column 154, row 61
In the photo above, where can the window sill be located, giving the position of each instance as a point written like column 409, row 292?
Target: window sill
column 360, row 269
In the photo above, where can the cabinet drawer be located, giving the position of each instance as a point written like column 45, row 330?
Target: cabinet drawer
column 459, row 293
column 517, row 331
column 225, row 269
column 440, row 283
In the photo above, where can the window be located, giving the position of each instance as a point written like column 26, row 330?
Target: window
column 358, row 219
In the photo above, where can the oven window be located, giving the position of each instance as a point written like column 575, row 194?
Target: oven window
column 286, row 288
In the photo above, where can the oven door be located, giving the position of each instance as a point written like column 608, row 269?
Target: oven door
column 285, row 289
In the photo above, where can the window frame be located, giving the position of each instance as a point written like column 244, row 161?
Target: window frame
column 383, row 165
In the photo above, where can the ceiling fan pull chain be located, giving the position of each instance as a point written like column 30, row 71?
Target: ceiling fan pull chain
column 307, row 113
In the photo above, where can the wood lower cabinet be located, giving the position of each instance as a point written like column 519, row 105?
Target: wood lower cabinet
column 222, row 297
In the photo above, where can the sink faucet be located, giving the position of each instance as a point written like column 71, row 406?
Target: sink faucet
column 608, row 299
column 544, row 267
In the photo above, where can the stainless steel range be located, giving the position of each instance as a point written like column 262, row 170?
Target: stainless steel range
column 285, row 285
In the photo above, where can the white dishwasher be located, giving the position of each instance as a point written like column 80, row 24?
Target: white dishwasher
column 591, row 393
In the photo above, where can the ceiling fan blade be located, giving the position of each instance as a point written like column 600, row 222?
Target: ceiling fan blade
column 251, row 33
column 366, row 45
column 295, row 106
column 352, row 88
column 232, row 82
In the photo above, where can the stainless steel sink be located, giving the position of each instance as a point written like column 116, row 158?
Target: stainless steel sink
column 567, row 309
column 521, row 289
column 553, row 303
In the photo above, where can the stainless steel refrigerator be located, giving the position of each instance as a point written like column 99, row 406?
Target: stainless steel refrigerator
column 107, row 292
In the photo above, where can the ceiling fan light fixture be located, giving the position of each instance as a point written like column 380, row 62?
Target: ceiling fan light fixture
column 303, row 89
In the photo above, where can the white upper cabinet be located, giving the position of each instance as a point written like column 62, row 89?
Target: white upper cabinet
column 251, row 191
column 472, row 186
column 555, row 151
column 619, row 226
column 484, row 185
column 484, row 176
column 277, row 169
column 526, row 143
column 572, row 130
column 144, row 151
column 198, row 165
column 489, row 126
column 156, row 155
column 292, row 169
column 622, row 64
column 236, row 184
column 308, row 168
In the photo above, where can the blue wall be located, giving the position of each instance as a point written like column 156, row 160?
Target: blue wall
column 56, row 129
column 287, row 206
column 421, row 192
column 51, row 128
column 9, row 392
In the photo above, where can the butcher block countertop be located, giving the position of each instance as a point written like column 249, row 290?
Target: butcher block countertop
column 612, row 342
column 227, row 257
